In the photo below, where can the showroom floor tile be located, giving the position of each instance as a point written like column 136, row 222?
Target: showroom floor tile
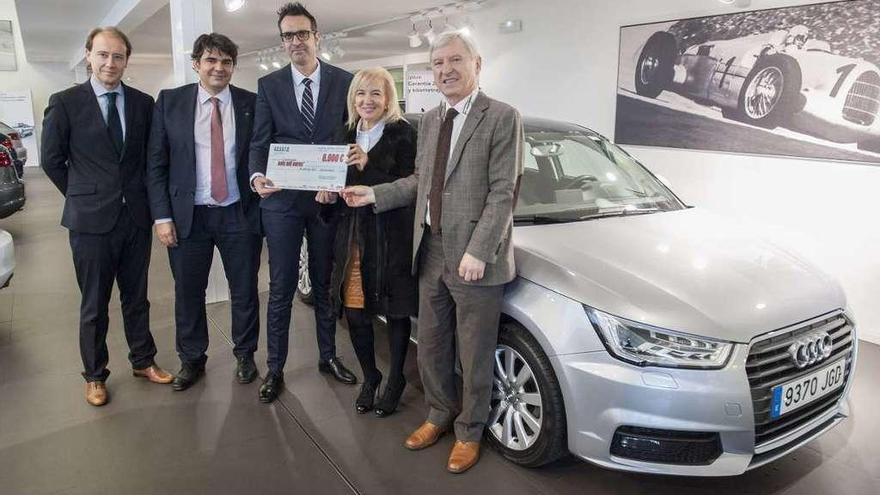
column 216, row 438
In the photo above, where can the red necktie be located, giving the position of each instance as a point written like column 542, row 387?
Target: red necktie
column 219, row 192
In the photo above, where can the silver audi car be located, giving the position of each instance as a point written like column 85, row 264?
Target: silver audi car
column 643, row 334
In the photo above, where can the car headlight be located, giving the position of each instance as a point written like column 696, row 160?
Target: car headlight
column 644, row 345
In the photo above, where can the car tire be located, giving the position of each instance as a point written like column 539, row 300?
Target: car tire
column 510, row 430
column 870, row 144
column 656, row 65
column 304, row 283
column 781, row 77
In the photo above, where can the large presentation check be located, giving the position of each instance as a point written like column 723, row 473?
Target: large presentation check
column 307, row 167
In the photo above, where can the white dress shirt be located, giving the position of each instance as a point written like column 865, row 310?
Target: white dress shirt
column 202, row 144
column 368, row 139
column 202, row 131
column 462, row 107
column 299, row 87
column 104, row 103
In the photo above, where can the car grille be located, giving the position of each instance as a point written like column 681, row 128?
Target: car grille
column 768, row 365
column 863, row 101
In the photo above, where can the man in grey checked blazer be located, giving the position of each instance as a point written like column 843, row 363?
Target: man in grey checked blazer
column 464, row 257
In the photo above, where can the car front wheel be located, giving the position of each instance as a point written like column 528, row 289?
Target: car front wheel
column 870, row 144
column 770, row 94
column 527, row 419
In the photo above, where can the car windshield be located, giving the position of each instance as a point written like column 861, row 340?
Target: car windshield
column 571, row 176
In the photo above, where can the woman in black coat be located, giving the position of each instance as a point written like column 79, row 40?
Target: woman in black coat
column 373, row 252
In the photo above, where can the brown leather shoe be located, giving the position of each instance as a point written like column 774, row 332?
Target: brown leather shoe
column 463, row 456
column 96, row 393
column 425, row 436
column 155, row 374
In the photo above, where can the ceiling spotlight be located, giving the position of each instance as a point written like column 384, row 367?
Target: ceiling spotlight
column 337, row 51
column 276, row 64
column 415, row 40
column 233, row 5
column 430, row 35
column 326, row 55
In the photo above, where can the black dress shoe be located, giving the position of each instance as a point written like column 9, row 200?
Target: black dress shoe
column 187, row 376
column 335, row 367
column 246, row 369
column 271, row 387
column 365, row 399
column 391, row 397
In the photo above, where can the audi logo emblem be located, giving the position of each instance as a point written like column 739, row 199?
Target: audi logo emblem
column 810, row 349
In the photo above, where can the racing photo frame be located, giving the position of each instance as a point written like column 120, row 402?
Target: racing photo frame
column 801, row 81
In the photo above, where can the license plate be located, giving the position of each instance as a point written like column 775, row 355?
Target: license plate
column 798, row 393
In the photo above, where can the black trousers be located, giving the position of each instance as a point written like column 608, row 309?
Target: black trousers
column 121, row 255
column 360, row 327
column 284, row 233
column 226, row 229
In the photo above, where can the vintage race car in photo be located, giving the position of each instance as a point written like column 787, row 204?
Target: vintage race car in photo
column 642, row 334
column 781, row 78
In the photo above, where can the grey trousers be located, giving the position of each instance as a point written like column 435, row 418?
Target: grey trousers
column 454, row 315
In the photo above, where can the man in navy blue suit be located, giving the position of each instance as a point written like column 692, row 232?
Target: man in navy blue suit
column 94, row 151
column 302, row 103
column 200, row 197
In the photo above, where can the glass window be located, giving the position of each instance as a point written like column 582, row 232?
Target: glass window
column 577, row 176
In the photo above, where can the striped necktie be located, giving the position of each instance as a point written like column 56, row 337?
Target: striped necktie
column 308, row 107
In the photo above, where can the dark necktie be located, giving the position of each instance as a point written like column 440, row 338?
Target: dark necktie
column 114, row 125
column 435, row 197
column 308, row 106
column 219, row 190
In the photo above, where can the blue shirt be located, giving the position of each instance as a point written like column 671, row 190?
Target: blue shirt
column 103, row 101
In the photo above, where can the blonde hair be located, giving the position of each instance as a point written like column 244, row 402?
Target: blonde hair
column 392, row 107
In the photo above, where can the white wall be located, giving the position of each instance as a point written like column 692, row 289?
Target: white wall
column 563, row 65
column 149, row 75
column 42, row 79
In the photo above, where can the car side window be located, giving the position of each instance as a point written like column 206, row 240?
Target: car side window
column 529, row 161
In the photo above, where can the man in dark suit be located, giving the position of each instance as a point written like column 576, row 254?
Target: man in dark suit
column 94, row 151
column 200, row 197
column 303, row 103
column 468, row 163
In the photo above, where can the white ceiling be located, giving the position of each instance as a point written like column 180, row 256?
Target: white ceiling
column 53, row 30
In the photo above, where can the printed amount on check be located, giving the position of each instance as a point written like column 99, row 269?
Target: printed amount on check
column 307, row 167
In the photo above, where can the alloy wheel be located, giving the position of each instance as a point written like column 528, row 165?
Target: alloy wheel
column 304, row 284
column 516, row 406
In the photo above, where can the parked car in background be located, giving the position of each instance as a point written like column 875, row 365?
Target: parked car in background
column 19, row 151
column 12, row 197
column 642, row 334
column 24, row 129
column 7, row 258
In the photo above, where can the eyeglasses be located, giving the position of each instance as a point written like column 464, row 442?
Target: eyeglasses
column 303, row 35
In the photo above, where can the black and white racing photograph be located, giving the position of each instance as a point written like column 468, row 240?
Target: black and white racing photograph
column 798, row 81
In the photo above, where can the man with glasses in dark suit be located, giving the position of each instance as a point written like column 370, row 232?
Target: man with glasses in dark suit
column 301, row 103
column 94, row 151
